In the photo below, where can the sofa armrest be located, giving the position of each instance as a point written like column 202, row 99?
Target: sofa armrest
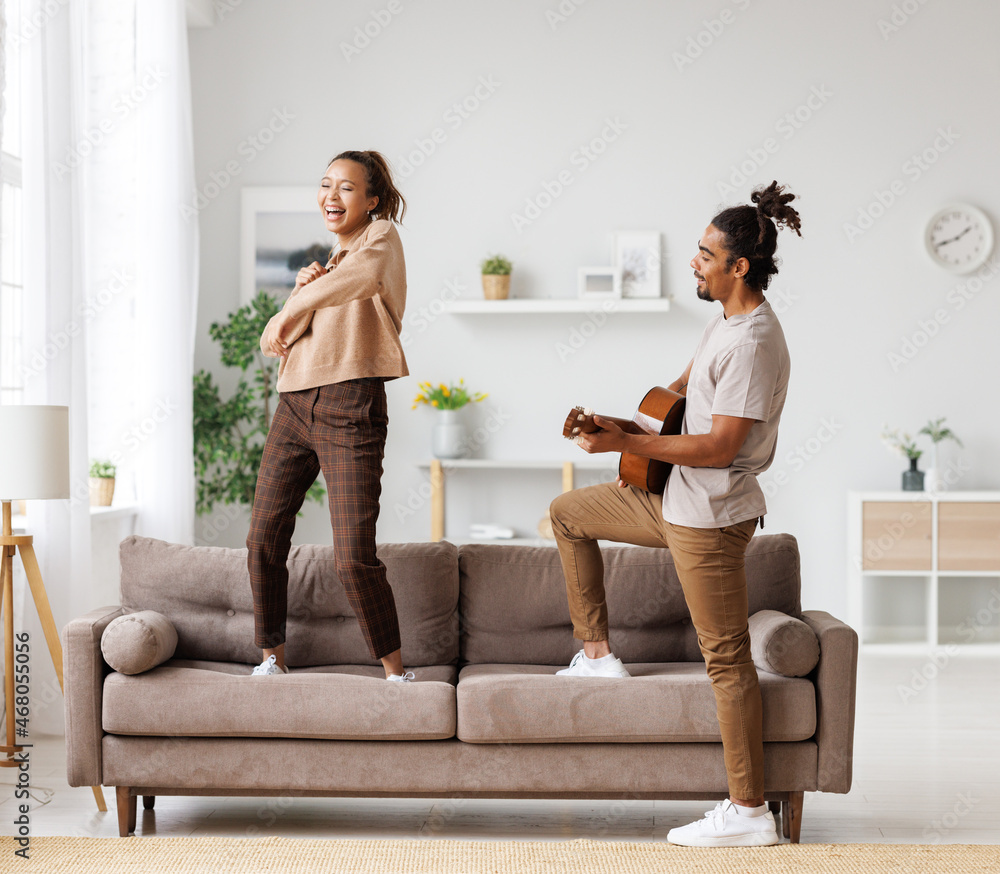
column 83, row 674
column 836, row 678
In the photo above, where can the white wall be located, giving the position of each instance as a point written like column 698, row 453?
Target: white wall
column 877, row 99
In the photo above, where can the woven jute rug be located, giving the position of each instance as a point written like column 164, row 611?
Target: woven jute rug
column 290, row 856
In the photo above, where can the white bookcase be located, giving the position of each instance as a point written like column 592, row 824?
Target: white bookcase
column 924, row 569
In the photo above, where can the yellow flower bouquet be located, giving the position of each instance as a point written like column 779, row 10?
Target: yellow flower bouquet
column 446, row 397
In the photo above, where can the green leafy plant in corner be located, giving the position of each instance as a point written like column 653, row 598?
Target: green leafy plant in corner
column 229, row 434
column 496, row 266
column 102, row 469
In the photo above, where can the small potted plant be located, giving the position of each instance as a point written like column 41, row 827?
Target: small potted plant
column 102, row 483
column 496, row 277
column 937, row 431
column 904, row 444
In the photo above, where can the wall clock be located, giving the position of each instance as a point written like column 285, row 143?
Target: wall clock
column 959, row 238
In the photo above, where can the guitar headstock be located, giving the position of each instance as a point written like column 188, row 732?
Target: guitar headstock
column 579, row 421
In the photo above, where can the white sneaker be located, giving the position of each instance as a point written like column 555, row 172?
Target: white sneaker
column 267, row 667
column 408, row 677
column 581, row 666
column 725, row 826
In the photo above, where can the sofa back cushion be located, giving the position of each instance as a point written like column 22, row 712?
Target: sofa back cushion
column 205, row 592
column 513, row 601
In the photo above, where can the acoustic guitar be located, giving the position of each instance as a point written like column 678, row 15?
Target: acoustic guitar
column 661, row 411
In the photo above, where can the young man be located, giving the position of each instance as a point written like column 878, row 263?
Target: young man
column 735, row 387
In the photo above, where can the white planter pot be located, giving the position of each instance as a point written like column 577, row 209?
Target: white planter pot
column 448, row 438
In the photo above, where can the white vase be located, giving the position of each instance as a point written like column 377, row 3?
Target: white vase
column 934, row 478
column 448, row 438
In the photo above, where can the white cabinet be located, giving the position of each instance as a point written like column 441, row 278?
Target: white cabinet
column 924, row 568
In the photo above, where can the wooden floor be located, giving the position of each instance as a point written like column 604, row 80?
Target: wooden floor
column 927, row 762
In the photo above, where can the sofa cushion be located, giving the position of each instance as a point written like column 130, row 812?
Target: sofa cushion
column 214, row 699
column 661, row 702
column 782, row 644
column 205, row 592
column 136, row 642
column 505, row 621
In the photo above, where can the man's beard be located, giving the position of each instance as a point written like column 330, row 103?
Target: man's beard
column 704, row 294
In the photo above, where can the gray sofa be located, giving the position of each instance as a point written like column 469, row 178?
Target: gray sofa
column 484, row 627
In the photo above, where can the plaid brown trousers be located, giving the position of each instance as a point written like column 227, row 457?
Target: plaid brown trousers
column 341, row 430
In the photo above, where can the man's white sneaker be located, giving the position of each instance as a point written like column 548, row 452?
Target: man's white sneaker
column 408, row 677
column 725, row 826
column 581, row 666
column 267, row 667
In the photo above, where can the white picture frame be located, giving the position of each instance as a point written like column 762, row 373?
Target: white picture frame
column 639, row 259
column 599, row 283
column 275, row 223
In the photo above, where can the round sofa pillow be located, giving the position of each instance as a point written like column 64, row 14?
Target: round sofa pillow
column 782, row 644
column 138, row 642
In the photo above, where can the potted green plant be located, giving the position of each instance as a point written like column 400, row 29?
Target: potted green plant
column 938, row 432
column 496, row 277
column 905, row 445
column 229, row 434
column 102, row 483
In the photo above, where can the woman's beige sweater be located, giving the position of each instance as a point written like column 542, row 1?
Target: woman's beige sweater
column 347, row 322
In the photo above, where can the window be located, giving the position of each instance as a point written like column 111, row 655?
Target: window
column 11, row 223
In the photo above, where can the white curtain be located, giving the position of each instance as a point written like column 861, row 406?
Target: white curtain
column 167, row 272
column 111, row 273
column 53, row 288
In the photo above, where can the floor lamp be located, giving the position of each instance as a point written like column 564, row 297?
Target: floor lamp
column 34, row 465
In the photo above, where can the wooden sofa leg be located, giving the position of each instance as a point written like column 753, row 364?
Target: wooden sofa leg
column 791, row 816
column 148, row 801
column 126, row 811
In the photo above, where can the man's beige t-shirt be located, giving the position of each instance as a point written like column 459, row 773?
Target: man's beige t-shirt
column 740, row 369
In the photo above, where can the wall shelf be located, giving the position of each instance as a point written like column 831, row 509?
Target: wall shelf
column 935, row 558
column 439, row 467
column 538, row 306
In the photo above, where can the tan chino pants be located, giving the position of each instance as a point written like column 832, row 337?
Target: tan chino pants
column 710, row 565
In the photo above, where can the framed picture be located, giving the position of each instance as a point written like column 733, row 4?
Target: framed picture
column 599, row 283
column 638, row 257
column 281, row 231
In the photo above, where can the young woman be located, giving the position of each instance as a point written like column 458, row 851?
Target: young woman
column 338, row 340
